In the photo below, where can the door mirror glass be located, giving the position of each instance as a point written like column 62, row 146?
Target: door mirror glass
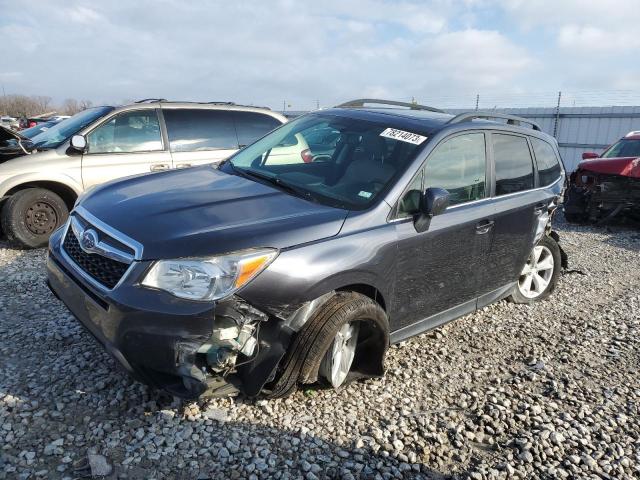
column 79, row 143
column 434, row 201
column 589, row 155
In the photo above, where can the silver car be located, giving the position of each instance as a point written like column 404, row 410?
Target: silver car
column 100, row 144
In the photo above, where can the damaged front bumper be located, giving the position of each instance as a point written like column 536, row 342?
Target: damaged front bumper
column 186, row 348
column 599, row 197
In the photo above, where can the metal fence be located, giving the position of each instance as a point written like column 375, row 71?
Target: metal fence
column 580, row 129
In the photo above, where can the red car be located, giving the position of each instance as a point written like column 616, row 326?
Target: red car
column 605, row 186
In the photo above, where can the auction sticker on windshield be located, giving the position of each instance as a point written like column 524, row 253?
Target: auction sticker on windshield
column 403, row 136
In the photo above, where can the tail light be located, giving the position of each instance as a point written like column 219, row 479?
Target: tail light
column 307, row 156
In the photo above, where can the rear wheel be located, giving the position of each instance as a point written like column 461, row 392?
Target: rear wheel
column 539, row 275
column 30, row 216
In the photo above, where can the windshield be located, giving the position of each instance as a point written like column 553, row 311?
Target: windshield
column 60, row 132
column 337, row 161
column 624, row 148
column 33, row 131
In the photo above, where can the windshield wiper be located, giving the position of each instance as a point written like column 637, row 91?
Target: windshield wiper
column 278, row 182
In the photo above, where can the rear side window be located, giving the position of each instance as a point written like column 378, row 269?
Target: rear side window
column 193, row 130
column 546, row 160
column 251, row 126
column 459, row 166
column 513, row 164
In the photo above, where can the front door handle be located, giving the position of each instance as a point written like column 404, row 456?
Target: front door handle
column 484, row 226
column 159, row 167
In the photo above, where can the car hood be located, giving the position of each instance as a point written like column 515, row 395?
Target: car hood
column 203, row 211
column 625, row 166
column 10, row 150
column 8, row 134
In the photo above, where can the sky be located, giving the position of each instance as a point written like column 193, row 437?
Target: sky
column 302, row 53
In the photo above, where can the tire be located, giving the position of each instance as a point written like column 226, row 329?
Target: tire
column 550, row 251
column 30, row 216
column 307, row 350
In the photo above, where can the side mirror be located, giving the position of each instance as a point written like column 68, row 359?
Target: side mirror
column 79, row 143
column 589, row 155
column 433, row 201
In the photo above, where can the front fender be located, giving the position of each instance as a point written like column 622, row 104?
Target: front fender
column 14, row 181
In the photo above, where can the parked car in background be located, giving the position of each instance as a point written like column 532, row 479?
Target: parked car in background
column 256, row 276
column 37, row 191
column 9, row 122
column 12, row 144
column 608, row 185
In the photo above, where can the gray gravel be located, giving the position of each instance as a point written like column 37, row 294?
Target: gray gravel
column 549, row 391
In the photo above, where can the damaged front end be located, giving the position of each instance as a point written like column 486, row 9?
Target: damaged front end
column 599, row 196
column 240, row 356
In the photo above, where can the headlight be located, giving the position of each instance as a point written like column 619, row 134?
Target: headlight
column 208, row 278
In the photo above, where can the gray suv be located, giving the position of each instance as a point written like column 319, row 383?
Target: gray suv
column 100, row 144
column 263, row 273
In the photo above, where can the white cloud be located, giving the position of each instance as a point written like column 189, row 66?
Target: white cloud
column 267, row 52
column 589, row 39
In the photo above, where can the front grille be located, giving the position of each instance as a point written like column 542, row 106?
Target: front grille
column 103, row 270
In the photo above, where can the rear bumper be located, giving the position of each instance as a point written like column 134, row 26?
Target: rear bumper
column 154, row 336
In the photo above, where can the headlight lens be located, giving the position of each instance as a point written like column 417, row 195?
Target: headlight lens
column 208, row 278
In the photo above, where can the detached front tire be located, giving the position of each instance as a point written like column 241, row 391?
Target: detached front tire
column 30, row 216
column 540, row 274
column 345, row 339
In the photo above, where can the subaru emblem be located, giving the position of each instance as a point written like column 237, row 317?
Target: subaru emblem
column 89, row 240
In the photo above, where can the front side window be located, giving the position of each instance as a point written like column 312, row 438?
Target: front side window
column 195, row 130
column 251, row 126
column 624, row 148
column 513, row 164
column 459, row 166
column 330, row 159
column 128, row 132
column 546, row 160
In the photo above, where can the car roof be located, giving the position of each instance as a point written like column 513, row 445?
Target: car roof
column 161, row 103
column 428, row 122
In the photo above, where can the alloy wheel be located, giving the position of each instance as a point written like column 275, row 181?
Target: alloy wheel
column 537, row 272
column 337, row 361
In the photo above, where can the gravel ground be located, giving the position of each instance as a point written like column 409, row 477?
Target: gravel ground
column 549, row 391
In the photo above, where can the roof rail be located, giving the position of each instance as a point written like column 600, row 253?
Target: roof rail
column 511, row 119
column 359, row 103
column 219, row 103
column 151, row 100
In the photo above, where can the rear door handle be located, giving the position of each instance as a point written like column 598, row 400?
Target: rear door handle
column 484, row 226
column 540, row 208
column 158, row 167
column 183, row 165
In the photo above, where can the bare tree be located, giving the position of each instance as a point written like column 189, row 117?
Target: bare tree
column 70, row 106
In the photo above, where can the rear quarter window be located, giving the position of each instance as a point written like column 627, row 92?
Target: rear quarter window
column 547, row 161
column 251, row 126
column 193, row 130
column 513, row 164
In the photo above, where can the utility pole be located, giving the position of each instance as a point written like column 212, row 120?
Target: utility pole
column 317, row 104
column 555, row 125
column 284, row 106
column 477, row 101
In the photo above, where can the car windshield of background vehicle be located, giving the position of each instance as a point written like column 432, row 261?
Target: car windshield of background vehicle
column 624, row 148
column 337, row 161
column 62, row 131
